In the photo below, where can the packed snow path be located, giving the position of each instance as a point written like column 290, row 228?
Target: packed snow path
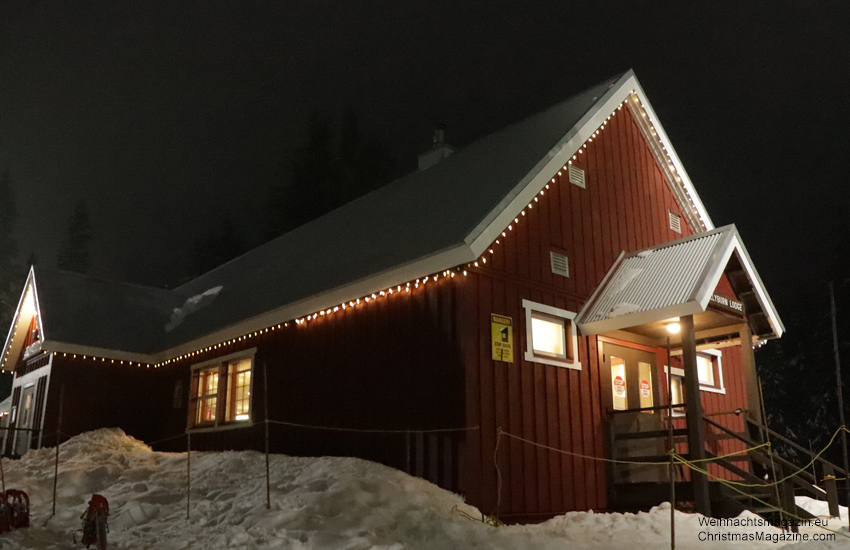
column 317, row 504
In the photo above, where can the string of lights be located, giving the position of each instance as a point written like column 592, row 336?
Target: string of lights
column 412, row 286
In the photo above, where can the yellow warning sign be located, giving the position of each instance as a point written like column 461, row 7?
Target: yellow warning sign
column 502, row 337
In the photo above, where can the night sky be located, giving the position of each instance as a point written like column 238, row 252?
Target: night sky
column 170, row 116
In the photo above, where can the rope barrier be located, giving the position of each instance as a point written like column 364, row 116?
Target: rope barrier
column 360, row 430
column 727, row 482
column 587, row 457
column 789, row 476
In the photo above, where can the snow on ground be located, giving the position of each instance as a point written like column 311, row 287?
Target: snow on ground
column 317, row 504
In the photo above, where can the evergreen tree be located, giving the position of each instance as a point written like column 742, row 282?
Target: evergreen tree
column 74, row 249
column 332, row 168
column 10, row 279
column 220, row 245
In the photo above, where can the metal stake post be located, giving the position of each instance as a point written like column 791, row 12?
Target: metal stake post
column 672, row 448
column 839, row 390
column 266, row 421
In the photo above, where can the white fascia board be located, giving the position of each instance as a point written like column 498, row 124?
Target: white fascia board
column 716, row 266
column 524, row 192
column 30, row 281
column 761, row 293
column 674, row 157
column 640, row 318
column 436, row 263
column 95, row 352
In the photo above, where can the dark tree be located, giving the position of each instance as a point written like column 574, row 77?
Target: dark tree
column 74, row 248
column 10, row 276
column 332, row 168
column 221, row 244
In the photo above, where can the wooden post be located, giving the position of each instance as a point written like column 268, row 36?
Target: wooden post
column 672, row 445
column 58, row 441
column 696, row 428
column 2, row 475
column 839, row 390
column 188, row 471
column 266, row 421
column 831, row 490
column 748, row 366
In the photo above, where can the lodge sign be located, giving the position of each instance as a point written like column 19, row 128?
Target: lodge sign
column 728, row 303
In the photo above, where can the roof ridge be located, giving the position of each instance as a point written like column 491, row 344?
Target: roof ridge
column 449, row 160
column 101, row 279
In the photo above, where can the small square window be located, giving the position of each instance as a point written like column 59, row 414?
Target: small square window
column 550, row 335
column 547, row 335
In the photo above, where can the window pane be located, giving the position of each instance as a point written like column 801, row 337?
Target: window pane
column 547, row 336
column 206, row 410
column 239, row 390
column 678, row 397
column 618, row 383
column 208, row 383
column 645, row 372
column 705, row 370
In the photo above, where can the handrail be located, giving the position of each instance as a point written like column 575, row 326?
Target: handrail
column 646, row 409
column 796, row 446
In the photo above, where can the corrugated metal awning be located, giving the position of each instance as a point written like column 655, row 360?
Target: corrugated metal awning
column 672, row 280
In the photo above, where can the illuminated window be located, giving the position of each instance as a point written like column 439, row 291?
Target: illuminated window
column 239, row 391
column 207, row 396
column 709, row 371
column 221, row 392
column 550, row 335
column 618, row 384
column 677, row 385
column 705, row 370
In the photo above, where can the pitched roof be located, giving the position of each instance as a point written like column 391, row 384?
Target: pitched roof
column 675, row 279
column 96, row 313
column 423, row 223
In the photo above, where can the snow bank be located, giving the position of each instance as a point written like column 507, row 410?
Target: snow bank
column 317, row 504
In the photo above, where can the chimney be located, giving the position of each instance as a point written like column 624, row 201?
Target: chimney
column 439, row 150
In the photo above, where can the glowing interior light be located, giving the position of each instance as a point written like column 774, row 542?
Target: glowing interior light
column 674, row 328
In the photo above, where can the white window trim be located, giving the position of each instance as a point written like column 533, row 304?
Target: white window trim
column 681, row 374
column 226, row 424
column 570, row 316
column 718, row 355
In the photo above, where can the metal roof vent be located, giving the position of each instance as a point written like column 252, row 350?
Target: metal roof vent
column 675, row 221
column 577, row 176
column 560, row 264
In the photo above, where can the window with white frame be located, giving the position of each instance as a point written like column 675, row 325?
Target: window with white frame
column 550, row 335
column 221, row 391
column 709, row 370
column 677, row 389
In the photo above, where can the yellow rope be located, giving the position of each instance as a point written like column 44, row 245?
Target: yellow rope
column 742, row 451
column 731, row 486
column 786, row 478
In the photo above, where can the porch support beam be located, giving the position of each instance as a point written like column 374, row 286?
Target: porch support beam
column 696, row 430
column 748, row 364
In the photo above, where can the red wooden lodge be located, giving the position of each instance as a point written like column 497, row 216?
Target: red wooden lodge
column 513, row 299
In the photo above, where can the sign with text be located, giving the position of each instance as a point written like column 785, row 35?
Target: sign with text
column 502, row 338
column 727, row 303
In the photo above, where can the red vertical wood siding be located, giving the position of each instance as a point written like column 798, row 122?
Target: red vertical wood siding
column 623, row 208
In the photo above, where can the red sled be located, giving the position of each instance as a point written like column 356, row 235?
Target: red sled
column 18, row 504
column 94, row 522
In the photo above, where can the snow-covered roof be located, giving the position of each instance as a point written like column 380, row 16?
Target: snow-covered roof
column 675, row 279
column 423, row 223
